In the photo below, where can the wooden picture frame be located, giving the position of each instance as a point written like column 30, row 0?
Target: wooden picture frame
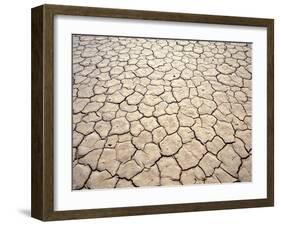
column 42, row 203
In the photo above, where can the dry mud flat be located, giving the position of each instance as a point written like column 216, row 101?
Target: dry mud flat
column 151, row 112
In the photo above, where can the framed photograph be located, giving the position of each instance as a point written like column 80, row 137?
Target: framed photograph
column 141, row 112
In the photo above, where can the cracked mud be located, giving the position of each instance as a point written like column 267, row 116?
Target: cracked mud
column 154, row 112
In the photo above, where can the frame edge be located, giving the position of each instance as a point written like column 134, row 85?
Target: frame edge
column 156, row 15
column 270, row 112
column 37, row 113
column 42, row 113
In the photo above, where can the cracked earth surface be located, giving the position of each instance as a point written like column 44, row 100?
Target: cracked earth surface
column 152, row 112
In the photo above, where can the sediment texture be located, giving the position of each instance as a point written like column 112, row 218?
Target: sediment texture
column 151, row 112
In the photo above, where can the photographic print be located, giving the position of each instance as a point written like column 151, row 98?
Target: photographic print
column 147, row 112
column 160, row 112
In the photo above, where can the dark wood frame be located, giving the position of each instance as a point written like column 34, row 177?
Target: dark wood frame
column 42, row 202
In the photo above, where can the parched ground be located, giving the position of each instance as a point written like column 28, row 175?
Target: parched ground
column 150, row 112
